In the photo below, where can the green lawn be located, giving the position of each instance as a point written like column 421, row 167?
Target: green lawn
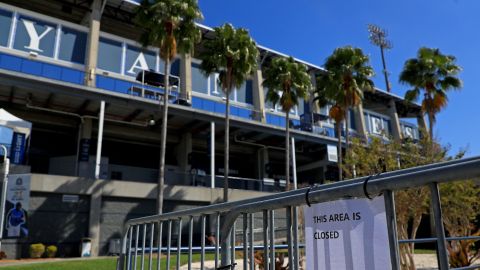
column 101, row 264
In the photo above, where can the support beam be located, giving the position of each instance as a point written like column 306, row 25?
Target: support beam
column 314, row 108
column 94, row 219
column 12, row 94
column 48, row 101
column 83, row 108
column 84, row 151
column 394, row 120
column 186, row 77
column 133, row 115
column 258, row 97
column 212, row 154
column 98, row 158
column 359, row 119
column 93, row 42
column 422, row 125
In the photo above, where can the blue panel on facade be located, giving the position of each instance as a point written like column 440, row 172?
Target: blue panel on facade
column 51, row 71
column 234, row 111
column 244, row 113
column 31, row 67
column 105, row 83
column 33, row 35
column 71, row 75
column 73, row 45
column 122, row 86
column 110, row 55
column 138, row 59
column 10, row 62
column 219, row 107
column 281, row 121
column 197, row 103
column 5, row 25
column 208, row 105
column 296, row 122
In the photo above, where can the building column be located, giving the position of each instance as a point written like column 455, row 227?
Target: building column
column 98, row 158
column 313, row 104
column 258, row 97
column 262, row 161
column 94, row 218
column 212, row 154
column 183, row 150
column 92, row 42
column 422, row 125
column 84, row 151
column 186, row 77
column 359, row 119
column 394, row 120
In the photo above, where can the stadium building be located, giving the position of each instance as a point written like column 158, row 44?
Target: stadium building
column 73, row 69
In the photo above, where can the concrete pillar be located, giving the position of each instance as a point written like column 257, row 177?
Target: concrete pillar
column 422, row 125
column 94, row 218
column 258, row 97
column 262, row 160
column 85, row 143
column 314, row 108
column 186, row 77
column 394, row 120
column 359, row 119
column 92, row 42
column 183, row 149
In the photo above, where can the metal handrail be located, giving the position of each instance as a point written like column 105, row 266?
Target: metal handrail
column 428, row 175
column 299, row 194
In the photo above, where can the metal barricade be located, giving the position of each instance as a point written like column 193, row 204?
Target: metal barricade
column 143, row 238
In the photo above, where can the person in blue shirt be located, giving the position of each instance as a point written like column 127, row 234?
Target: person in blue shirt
column 16, row 219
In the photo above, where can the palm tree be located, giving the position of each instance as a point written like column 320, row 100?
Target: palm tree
column 170, row 25
column 287, row 81
column 232, row 54
column 347, row 76
column 433, row 73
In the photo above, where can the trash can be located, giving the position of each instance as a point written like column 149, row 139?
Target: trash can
column 86, row 247
column 114, row 246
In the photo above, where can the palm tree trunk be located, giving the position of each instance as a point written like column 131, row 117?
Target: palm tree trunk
column 430, row 127
column 287, row 150
column 227, row 148
column 339, row 149
column 347, row 123
column 163, row 142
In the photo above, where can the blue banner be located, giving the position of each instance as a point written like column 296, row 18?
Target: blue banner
column 17, row 153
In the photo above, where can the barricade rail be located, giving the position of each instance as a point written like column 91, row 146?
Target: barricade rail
column 141, row 236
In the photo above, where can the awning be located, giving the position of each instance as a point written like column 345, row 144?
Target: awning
column 17, row 124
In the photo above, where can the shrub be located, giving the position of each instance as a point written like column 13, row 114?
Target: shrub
column 37, row 250
column 51, row 251
column 2, row 255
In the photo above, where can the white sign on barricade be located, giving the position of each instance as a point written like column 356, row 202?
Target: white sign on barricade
column 347, row 235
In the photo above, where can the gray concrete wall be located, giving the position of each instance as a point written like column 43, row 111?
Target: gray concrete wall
column 101, row 211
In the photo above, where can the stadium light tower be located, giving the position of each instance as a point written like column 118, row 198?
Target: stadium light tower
column 378, row 37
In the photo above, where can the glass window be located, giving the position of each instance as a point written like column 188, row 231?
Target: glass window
column 268, row 104
column 175, row 69
column 138, row 59
column 110, row 55
column 5, row 23
column 377, row 125
column 199, row 81
column 301, row 106
column 33, row 35
column 244, row 93
column 72, row 45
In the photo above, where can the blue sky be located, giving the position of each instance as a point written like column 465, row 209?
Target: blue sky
column 312, row 29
